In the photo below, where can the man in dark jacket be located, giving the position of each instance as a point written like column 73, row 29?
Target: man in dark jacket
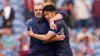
column 8, row 13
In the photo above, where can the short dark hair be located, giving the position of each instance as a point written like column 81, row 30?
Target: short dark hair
column 50, row 8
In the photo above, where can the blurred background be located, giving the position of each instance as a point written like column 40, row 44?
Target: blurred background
column 83, row 20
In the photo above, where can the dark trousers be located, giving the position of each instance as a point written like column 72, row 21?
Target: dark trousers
column 82, row 23
column 96, row 22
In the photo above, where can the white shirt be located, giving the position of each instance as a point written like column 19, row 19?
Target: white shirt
column 82, row 11
column 7, row 11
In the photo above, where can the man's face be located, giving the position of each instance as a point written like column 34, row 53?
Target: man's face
column 6, row 3
column 48, row 15
column 38, row 11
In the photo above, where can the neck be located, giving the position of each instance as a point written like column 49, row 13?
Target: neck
column 40, row 19
column 6, row 5
column 8, row 34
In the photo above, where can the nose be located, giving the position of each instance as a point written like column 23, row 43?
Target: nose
column 46, row 16
column 38, row 11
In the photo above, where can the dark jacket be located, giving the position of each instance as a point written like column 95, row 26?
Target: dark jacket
column 10, row 19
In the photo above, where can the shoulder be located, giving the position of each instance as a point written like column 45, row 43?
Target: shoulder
column 59, row 22
column 62, row 12
column 30, row 21
column 11, row 8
